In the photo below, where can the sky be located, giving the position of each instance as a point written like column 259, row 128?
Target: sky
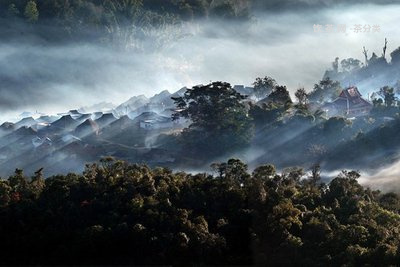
column 282, row 44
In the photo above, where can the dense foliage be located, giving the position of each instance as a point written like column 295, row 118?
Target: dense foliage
column 219, row 120
column 67, row 9
column 121, row 23
column 117, row 213
column 325, row 90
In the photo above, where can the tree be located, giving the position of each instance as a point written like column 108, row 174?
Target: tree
column 325, row 90
column 302, row 96
column 377, row 102
column 384, row 49
column 264, row 172
column 395, row 55
column 397, row 87
column 365, row 53
column 263, row 86
column 335, row 124
column 350, row 64
column 225, row 10
column 220, row 120
column 265, row 114
column 37, row 183
column 31, row 12
column 388, row 95
column 12, row 10
column 144, row 216
column 335, row 65
column 234, row 169
column 315, row 174
column 128, row 24
column 280, row 95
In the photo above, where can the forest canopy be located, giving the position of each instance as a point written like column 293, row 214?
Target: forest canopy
column 120, row 213
column 108, row 21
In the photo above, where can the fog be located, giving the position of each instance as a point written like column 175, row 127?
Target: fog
column 52, row 78
column 385, row 179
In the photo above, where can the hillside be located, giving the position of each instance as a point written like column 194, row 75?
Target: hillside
column 162, row 135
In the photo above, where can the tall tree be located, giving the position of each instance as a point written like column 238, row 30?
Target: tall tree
column 325, row 90
column 350, row 64
column 335, row 65
column 220, row 120
column 31, row 12
column 280, row 96
column 388, row 95
column 365, row 53
column 302, row 96
column 263, row 86
column 12, row 10
column 384, row 49
column 395, row 55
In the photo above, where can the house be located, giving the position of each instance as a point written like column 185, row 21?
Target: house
column 349, row 103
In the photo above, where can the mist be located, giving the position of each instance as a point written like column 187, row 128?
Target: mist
column 55, row 77
column 385, row 179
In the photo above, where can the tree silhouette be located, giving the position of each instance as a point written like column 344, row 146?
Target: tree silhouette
column 263, row 86
column 130, row 214
column 220, row 122
column 302, row 96
column 31, row 12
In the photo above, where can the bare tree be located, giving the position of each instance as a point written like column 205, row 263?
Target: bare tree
column 335, row 65
column 384, row 49
column 315, row 175
column 302, row 96
column 365, row 52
